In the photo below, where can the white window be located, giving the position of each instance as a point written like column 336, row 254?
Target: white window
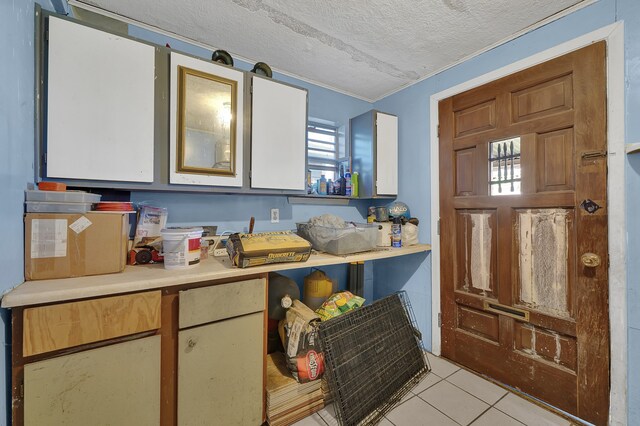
column 322, row 151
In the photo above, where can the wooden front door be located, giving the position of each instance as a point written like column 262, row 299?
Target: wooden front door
column 524, row 232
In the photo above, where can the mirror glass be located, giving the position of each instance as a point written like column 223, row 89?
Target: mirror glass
column 206, row 117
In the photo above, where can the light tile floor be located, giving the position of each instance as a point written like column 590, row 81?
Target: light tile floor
column 449, row 395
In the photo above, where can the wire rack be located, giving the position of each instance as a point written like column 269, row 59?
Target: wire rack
column 373, row 358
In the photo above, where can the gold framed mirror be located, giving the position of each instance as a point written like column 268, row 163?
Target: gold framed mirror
column 206, row 133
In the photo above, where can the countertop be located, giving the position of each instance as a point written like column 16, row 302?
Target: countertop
column 148, row 277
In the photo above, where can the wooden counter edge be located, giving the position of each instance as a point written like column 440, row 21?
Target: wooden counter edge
column 151, row 277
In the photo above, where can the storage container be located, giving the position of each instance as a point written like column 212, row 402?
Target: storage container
column 51, row 207
column 355, row 238
column 62, row 196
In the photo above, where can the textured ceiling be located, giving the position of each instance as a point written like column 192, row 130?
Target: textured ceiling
column 367, row 48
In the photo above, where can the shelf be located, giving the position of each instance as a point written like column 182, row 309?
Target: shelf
column 336, row 200
column 149, row 277
column 632, row 148
column 321, row 199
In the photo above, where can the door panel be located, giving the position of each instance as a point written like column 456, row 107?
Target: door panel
column 465, row 163
column 544, row 267
column 476, row 118
column 517, row 302
column 548, row 345
column 555, row 161
column 478, row 322
column 542, row 99
column 477, row 252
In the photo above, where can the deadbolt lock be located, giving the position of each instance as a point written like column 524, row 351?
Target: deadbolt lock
column 590, row 260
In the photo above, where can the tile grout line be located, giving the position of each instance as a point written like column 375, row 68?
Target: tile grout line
column 501, row 398
column 436, row 408
column 322, row 418
column 468, row 393
column 480, row 415
column 449, row 375
column 387, row 419
column 507, row 414
column 429, row 387
column 464, row 390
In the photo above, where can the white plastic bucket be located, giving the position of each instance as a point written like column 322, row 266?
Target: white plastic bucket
column 181, row 247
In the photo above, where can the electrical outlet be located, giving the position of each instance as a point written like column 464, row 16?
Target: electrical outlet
column 275, row 215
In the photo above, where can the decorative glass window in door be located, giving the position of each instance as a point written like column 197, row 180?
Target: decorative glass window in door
column 505, row 174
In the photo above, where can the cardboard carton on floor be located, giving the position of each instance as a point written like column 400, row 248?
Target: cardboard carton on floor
column 73, row 245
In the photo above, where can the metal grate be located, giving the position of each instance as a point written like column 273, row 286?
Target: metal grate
column 373, row 358
column 504, row 166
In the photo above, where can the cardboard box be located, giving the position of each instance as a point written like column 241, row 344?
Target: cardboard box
column 268, row 247
column 74, row 245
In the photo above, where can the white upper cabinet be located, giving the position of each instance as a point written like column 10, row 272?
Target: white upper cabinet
column 99, row 105
column 278, row 135
column 374, row 151
column 206, row 112
column 386, row 154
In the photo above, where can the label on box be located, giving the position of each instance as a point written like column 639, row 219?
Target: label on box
column 80, row 225
column 48, row 238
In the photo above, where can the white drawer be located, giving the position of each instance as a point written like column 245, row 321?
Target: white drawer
column 217, row 302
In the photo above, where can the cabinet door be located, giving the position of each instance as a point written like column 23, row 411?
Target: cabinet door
column 278, row 135
column 220, row 372
column 113, row 385
column 206, row 140
column 100, row 105
column 386, row 154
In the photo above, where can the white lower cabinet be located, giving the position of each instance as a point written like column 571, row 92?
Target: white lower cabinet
column 112, row 385
column 221, row 354
column 220, row 372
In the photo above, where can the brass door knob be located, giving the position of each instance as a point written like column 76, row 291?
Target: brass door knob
column 590, row 260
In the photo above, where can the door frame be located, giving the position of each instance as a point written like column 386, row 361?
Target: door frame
column 613, row 34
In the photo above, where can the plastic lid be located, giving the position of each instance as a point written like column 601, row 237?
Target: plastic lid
column 179, row 230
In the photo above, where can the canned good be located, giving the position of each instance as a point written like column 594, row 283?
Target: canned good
column 396, row 235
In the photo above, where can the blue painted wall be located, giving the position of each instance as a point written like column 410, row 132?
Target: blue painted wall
column 411, row 105
column 16, row 157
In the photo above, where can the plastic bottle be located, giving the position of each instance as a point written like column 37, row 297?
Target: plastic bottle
column 322, row 185
column 396, row 233
column 347, row 180
column 354, row 184
column 329, row 187
column 343, row 187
